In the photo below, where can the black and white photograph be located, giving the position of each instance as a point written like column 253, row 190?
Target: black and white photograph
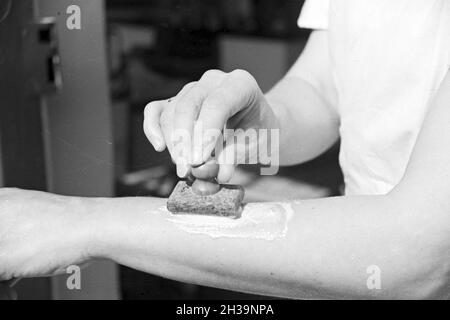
column 228, row 157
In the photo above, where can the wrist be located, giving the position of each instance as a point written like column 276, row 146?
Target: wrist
column 98, row 226
column 117, row 226
column 86, row 227
column 278, row 111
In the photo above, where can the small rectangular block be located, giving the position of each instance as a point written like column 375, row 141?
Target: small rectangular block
column 225, row 203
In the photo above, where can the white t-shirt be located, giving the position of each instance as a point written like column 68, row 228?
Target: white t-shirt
column 388, row 59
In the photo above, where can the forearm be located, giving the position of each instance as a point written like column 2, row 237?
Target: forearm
column 324, row 252
column 308, row 125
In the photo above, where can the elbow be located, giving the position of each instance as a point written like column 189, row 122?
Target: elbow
column 413, row 276
column 427, row 272
column 420, row 274
column 413, row 280
column 421, row 268
column 422, row 287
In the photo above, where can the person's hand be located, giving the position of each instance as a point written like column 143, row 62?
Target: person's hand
column 191, row 124
column 40, row 234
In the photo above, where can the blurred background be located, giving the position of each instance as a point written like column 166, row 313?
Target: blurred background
column 72, row 104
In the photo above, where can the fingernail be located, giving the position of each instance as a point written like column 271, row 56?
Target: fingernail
column 197, row 153
column 158, row 144
column 182, row 170
column 197, row 158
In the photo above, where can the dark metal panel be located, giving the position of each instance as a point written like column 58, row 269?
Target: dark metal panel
column 20, row 126
column 22, row 150
column 79, row 117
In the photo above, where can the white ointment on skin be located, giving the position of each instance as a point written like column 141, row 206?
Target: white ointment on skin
column 266, row 221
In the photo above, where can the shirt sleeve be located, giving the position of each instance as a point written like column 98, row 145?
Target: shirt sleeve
column 314, row 14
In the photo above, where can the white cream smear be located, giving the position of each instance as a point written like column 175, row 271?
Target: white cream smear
column 266, row 221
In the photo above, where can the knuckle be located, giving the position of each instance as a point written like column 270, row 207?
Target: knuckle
column 150, row 106
column 245, row 77
column 188, row 86
column 213, row 73
column 248, row 84
column 191, row 101
column 240, row 73
column 198, row 90
column 185, row 106
column 165, row 119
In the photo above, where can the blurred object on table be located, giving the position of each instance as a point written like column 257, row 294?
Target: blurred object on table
column 157, row 181
column 7, row 293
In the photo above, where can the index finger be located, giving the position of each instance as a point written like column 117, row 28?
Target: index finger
column 236, row 92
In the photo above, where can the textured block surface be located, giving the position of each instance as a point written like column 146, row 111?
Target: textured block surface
column 225, row 203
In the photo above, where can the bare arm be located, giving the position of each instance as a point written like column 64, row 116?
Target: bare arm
column 328, row 246
column 323, row 250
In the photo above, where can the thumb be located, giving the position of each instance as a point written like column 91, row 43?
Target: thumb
column 239, row 147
